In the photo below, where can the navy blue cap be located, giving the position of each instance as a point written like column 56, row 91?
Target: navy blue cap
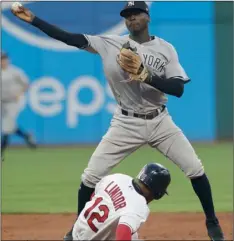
column 134, row 6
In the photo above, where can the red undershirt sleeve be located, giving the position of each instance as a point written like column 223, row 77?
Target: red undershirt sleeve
column 123, row 232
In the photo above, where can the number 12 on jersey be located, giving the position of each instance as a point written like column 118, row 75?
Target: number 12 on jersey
column 96, row 215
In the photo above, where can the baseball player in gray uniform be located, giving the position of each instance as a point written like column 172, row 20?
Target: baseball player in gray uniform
column 141, row 69
column 14, row 83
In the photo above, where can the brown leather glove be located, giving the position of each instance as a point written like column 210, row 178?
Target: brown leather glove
column 131, row 62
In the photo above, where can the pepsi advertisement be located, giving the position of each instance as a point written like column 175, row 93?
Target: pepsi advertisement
column 69, row 100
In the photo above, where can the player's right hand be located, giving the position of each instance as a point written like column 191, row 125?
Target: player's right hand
column 23, row 14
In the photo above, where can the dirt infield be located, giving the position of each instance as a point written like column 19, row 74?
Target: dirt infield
column 173, row 226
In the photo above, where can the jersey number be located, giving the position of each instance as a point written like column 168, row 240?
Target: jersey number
column 96, row 215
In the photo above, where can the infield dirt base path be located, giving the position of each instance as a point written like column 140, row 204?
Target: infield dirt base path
column 159, row 226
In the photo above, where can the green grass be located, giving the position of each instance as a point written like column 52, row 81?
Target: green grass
column 46, row 180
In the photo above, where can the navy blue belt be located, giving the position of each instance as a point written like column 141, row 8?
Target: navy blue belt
column 149, row 116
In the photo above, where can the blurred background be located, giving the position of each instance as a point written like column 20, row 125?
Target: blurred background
column 69, row 101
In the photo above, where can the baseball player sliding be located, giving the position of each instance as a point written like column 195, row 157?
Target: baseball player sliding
column 14, row 83
column 141, row 69
column 119, row 205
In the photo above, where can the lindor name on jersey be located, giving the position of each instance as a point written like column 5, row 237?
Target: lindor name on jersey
column 113, row 190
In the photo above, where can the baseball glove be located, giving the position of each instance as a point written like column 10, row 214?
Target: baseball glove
column 131, row 62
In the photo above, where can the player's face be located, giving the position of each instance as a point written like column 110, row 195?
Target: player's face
column 136, row 22
column 147, row 193
column 4, row 62
column 150, row 197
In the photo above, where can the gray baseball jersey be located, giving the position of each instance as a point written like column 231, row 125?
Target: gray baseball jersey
column 157, row 55
column 13, row 82
column 126, row 132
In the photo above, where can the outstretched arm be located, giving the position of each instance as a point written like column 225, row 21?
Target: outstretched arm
column 72, row 39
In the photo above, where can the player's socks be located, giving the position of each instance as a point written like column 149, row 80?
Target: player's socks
column 20, row 133
column 4, row 143
column 84, row 195
column 202, row 188
column 27, row 137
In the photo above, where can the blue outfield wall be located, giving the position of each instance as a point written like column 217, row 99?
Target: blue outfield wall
column 69, row 100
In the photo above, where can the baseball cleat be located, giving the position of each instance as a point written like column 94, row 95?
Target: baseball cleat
column 214, row 230
column 68, row 236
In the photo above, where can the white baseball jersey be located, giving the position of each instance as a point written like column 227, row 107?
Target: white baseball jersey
column 115, row 201
column 159, row 57
column 13, row 81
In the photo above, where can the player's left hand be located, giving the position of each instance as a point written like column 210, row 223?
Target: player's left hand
column 131, row 62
